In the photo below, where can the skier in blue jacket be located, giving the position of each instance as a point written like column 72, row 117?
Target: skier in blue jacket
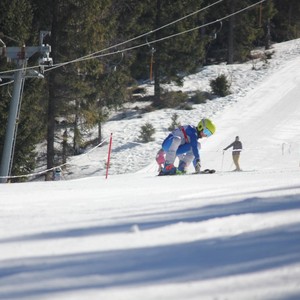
column 183, row 142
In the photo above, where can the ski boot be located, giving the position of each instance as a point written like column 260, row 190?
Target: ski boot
column 181, row 167
column 168, row 169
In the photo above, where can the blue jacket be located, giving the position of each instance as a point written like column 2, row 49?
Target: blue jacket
column 189, row 142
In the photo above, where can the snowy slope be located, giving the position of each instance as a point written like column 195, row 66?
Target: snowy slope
column 137, row 236
column 233, row 115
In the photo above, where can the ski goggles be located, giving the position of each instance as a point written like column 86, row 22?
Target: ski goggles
column 207, row 132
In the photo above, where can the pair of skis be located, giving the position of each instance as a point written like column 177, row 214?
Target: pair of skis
column 206, row 171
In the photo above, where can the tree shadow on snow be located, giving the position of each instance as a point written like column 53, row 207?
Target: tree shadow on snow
column 159, row 219
column 192, row 261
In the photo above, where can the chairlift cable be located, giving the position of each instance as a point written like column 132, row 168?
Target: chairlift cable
column 93, row 55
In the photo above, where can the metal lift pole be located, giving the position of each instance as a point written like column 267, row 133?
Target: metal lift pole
column 12, row 123
column 20, row 55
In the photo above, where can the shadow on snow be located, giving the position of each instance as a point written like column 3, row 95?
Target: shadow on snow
column 199, row 260
column 159, row 219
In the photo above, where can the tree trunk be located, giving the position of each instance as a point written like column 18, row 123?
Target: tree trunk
column 157, row 56
column 64, row 147
column 268, row 35
column 52, row 96
column 99, row 132
column 230, row 58
column 76, row 137
column 268, row 26
column 50, row 126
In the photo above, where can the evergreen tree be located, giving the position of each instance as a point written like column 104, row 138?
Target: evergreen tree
column 168, row 58
column 237, row 34
column 285, row 25
column 15, row 23
column 97, row 83
column 78, row 28
column 31, row 129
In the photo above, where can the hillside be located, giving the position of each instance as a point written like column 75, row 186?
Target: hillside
column 228, row 235
column 129, row 155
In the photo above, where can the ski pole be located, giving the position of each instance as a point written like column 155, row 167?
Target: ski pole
column 108, row 156
column 222, row 161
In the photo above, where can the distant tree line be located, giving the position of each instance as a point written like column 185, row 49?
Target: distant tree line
column 80, row 94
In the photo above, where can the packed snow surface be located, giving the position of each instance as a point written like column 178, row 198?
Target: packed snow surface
column 132, row 236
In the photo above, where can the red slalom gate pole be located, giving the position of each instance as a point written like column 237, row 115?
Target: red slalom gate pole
column 108, row 157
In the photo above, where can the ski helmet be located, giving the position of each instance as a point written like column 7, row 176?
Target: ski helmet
column 206, row 123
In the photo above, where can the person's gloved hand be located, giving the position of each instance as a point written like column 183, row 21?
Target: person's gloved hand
column 197, row 166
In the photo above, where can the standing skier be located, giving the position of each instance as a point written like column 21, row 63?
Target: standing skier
column 237, row 147
column 183, row 142
column 57, row 174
